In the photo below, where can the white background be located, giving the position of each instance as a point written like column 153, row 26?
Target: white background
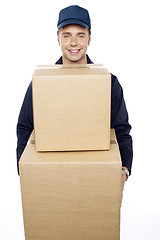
column 126, row 39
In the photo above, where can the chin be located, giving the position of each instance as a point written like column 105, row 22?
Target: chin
column 75, row 59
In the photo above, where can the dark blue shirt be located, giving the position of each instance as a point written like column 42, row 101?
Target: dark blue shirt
column 119, row 121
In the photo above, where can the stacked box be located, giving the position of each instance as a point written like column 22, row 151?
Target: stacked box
column 70, row 194
column 71, row 107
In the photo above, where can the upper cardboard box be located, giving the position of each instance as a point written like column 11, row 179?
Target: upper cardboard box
column 71, row 105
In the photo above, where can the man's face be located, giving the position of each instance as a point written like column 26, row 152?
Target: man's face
column 74, row 40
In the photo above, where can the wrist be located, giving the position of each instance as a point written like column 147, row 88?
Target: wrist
column 126, row 172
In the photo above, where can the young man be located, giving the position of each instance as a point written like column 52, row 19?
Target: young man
column 74, row 36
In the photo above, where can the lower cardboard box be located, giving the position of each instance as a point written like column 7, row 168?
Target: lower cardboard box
column 71, row 195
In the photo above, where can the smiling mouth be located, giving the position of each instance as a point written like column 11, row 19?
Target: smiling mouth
column 74, row 51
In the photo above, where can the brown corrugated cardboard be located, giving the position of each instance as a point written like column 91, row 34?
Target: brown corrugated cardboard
column 71, row 105
column 112, row 137
column 71, row 195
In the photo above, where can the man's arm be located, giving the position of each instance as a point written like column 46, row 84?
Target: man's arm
column 119, row 121
column 25, row 123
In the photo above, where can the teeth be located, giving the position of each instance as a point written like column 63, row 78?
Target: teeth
column 74, row 51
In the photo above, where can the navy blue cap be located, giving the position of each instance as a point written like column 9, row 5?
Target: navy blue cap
column 74, row 15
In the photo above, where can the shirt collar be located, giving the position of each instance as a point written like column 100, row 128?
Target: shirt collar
column 60, row 60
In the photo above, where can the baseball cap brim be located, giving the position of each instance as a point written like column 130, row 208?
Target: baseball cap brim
column 72, row 21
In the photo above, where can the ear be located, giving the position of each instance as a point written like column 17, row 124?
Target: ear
column 59, row 43
column 89, row 40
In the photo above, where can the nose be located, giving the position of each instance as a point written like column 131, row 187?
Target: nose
column 73, row 41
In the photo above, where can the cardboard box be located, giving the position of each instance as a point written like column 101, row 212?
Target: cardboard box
column 71, row 195
column 112, row 137
column 71, row 105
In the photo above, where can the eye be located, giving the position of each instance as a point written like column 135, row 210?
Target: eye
column 66, row 36
column 81, row 36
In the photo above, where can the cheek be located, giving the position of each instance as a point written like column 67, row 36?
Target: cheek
column 84, row 44
column 64, row 44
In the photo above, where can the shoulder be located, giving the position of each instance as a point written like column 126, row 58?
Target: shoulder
column 115, row 85
column 30, row 86
column 114, row 80
column 28, row 94
column 29, row 89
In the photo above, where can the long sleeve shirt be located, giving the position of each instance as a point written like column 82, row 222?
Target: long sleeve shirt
column 119, row 121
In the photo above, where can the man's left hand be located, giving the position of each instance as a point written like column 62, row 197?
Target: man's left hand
column 124, row 177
